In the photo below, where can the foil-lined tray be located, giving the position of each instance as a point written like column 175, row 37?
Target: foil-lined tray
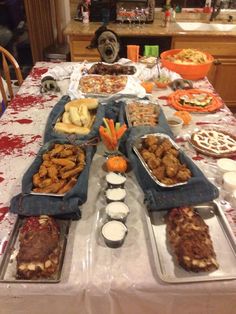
column 8, row 265
column 130, row 118
column 136, row 147
column 165, row 265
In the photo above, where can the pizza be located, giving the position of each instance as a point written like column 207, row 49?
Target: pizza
column 102, row 84
column 213, row 142
column 189, row 237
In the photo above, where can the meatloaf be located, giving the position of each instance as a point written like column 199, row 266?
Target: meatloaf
column 190, row 240
column 39, row 248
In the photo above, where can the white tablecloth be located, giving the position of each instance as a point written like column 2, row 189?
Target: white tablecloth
column 97, row 279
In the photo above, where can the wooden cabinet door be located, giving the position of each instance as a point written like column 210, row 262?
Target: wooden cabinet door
column 79, row 50
column 223, row 78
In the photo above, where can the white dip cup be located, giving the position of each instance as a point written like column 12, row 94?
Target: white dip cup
column 229, row 181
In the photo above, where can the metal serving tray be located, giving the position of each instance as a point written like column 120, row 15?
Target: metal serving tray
column 141, row 102
column 136, row 147
column 8, row 264
column 223, row 242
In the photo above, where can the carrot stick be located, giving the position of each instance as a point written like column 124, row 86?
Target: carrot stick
column 113, row 131
column 121, row 131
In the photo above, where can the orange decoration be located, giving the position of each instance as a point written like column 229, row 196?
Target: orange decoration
column 116, row 164
column 148, row 86
column 184, row 115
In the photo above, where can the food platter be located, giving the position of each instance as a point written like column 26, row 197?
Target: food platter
column 142, row 112
column 136, row 147
column 214, row 142
column 50, row 178
column 102, row 68
column 195, row 100
column 102, row 84
column 166, row 266
column 8, row 264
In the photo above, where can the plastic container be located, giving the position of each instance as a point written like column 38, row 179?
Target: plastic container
column 115, row 195
column 114, row 233
column 117, row 211
column 226, row 165
column 187, row 71
column 115, row 180
column 229, row 181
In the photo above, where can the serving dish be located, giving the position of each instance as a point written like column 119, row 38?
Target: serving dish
column 214, row 142
column 195, row 100
column 59, row 170
column 8, row 264
column 223, row 239
column 186, row 69
column 138, row 144
column 142, row 112
column 102, row 84
column 102, row 68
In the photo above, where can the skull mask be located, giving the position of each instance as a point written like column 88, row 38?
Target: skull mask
column 108, row 46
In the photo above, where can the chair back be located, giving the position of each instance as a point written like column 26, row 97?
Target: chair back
column 7, row 59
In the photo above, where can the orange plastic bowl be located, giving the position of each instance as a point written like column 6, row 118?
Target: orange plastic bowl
column 187, row 71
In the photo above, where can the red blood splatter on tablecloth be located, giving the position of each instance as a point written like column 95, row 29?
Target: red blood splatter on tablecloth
column 180, row 140
column 36, row 73
column 10, row 145
column 1, row 179
column 24, row 121
column 3, row 211
column 25, row 101
column 197, row 158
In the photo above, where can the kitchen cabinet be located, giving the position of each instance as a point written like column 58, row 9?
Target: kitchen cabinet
column 222, row 74
column 79, row 50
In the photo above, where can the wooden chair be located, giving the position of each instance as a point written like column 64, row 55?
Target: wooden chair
column 6, row 58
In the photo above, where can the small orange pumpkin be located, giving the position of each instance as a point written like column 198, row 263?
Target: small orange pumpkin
column 184, row 115
column 116, row 164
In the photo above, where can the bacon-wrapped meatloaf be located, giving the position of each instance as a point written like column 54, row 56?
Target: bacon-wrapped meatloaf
column 39, row 248
column 189, row 237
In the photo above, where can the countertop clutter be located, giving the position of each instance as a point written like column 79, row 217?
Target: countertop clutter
column 156, row 28
column 141, row 274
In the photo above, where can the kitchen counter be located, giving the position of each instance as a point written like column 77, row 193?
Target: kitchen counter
column 153, row 29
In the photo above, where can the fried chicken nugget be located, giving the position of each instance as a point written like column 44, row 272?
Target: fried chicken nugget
column 150, row 140
column 159, row 172
column 146, row 154
column 172, row 165
column 184, row 174
column 168, row 181
column 166, row 145
column 159, row 152
column 153, row 163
